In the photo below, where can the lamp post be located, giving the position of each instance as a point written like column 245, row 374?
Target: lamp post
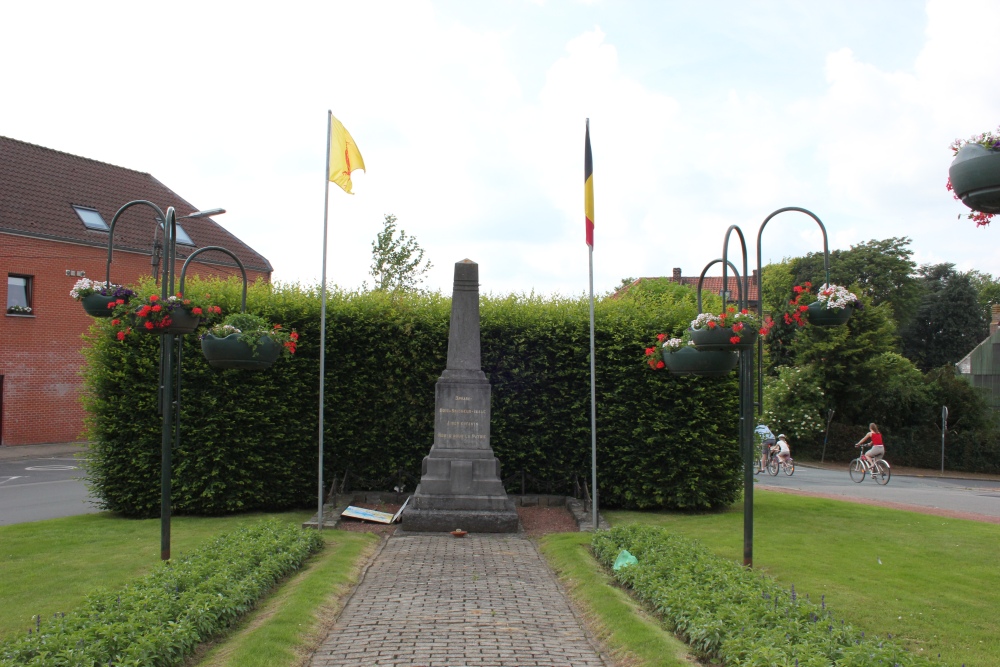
column 169, row 406
column 746, row 364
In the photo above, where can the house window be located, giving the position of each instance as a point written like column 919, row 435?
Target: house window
column 91, row 218
column 182, row 236
column 18, row 295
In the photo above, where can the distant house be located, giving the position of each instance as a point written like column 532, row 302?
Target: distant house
column 981, row 367
column 710, row 285
column 55, row 210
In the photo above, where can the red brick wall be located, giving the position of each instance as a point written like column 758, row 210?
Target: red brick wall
column 40, row 357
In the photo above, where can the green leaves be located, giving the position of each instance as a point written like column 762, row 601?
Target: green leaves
column 248, row 440
column 161, row 618
column 733, row 615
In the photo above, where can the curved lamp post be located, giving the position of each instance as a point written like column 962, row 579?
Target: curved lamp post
column 169, row 408
column 746, row 368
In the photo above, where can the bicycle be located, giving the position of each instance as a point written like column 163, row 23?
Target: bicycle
column 879, row 469
column 774, row 464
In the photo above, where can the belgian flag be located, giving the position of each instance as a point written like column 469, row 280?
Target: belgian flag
column 588, row 187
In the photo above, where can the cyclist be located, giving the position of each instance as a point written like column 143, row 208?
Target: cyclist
column 765, row 446
column 781, row 447
column 877, row 452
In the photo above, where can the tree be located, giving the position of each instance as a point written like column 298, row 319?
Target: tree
column 988, row 289
column 949, row 322
column 882, row 270
column 396, row 261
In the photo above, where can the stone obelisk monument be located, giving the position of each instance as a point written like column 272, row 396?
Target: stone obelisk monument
column 460, row 483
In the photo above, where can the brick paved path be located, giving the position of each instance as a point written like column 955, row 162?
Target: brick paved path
column 441, row 601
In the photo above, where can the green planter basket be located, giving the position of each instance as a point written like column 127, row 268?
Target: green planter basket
column 975, row 177
column 689, row 361
column 232, row 352
column 717, row 340
column 821, row 316
column 96, row 305
column 181, row 322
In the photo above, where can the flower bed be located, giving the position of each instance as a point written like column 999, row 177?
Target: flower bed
column 162, row 617
column 736, row 616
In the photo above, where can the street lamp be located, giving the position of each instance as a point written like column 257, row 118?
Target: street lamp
column 746, row 364
column 169, row 409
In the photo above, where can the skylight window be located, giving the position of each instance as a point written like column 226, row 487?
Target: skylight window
column 182, row 236
column 91, row 218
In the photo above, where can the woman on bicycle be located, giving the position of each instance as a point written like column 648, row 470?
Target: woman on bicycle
column 877, row 452
column 781, row 447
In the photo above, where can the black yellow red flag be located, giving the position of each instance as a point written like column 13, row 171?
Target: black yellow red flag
column 588, row 187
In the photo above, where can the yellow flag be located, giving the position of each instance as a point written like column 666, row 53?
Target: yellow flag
column 344, row 155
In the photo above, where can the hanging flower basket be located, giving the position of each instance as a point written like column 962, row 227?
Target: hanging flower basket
column 689, row 361
column 233, row 352
column 720, row 339
column 181, row 322
column 975, row 177
column 821, row 316
column 97, row 305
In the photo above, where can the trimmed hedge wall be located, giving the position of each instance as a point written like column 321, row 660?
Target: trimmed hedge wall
column 249, row 440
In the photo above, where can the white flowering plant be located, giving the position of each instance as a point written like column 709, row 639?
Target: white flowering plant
column 86, row 287
column 835, row 297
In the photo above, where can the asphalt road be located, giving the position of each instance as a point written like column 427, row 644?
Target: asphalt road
column 960, row 495
column 42, row 488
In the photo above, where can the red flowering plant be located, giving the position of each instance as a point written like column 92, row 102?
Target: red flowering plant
column 252, row 329
column 989, row 140
column 664, row 345
column 154, row 314
column 741, row 322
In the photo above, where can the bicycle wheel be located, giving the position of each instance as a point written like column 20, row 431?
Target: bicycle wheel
column 789, row 468
column 881, row 472
column 772, row 465
column 857, row 471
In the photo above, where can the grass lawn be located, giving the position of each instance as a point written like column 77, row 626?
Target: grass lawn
column 937, row 586
column 49, row 566
column 929, row 581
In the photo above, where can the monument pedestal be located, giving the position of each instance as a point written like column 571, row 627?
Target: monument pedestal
column 460, row 484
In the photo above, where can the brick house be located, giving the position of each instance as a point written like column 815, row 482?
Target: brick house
column 55, row 210
column 710, row 285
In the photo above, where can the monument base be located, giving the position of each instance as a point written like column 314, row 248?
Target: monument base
column 474, row 521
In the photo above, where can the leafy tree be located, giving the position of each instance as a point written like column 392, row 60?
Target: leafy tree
column 397, row 261
column 881, row 270
column 950, row 320
column 988, row 290
column 840, row 356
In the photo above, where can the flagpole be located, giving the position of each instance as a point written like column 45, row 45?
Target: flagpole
column 593, row 396
column 322, row 314
column 588, row 204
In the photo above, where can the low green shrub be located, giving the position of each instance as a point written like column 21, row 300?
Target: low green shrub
column 734, row 615
column 162, row 617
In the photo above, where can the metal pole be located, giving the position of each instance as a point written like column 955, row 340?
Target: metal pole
column 746, row 438
column 167, row 376
column 593, row 396
column 826, row 434
column 944, row 429
column 322, row 317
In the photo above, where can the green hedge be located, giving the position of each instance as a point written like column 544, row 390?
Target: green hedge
column 160, row 619
column 249, row 440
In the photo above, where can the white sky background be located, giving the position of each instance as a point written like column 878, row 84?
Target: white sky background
column 470, row 117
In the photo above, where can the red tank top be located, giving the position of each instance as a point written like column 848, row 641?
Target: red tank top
column 876, row 438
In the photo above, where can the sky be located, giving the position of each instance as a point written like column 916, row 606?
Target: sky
column 471, row 115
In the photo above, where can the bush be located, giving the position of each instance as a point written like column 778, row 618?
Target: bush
column 735, row 615
column 248, row 440
column 161, row 618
